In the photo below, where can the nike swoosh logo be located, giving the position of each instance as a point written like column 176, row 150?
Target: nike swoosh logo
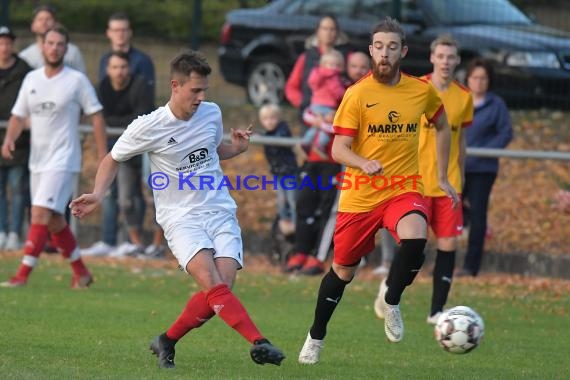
column 446, row 279
column 419, row 205
column 371, row 105
column 332, row 300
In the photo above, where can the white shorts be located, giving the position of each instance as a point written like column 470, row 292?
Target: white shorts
column 52, row 190
column 213, row 230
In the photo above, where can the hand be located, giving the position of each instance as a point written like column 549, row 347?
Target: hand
column 372, row 167
column 451, row 193
column 7, row 148
column 240, row 137
column 84, row 205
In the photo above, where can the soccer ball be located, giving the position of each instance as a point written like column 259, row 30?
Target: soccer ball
column 459, row 330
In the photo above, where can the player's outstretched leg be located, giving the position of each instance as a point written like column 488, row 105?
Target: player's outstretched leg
column 163, row 347
column 263, row 352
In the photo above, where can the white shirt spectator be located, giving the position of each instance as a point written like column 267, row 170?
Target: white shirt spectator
column 73, row 58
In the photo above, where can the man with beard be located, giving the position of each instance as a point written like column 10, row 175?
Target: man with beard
column 376, row 137
column 445, row 221
column 53, row 97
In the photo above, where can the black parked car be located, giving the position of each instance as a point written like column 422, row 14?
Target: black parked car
column 532, row 62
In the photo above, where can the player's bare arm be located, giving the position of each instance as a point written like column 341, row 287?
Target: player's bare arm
column 443, row 142
column 99, row 134
column 16, row 125
column 87, row 203
column 239, row 143
column 342, row 153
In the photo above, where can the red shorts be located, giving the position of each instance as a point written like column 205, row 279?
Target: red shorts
column 354, row 231
column 445, row 221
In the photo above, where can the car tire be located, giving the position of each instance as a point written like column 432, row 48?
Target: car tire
column 265, row 82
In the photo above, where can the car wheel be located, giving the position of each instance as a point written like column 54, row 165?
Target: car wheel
column 265, row 83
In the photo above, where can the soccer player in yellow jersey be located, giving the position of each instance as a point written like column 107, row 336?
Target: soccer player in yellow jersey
column 446, row 222
column 377, row 128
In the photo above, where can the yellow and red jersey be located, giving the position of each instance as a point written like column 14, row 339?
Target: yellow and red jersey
column 385, row 124
column 459, row 110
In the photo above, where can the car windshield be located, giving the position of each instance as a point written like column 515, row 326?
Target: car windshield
column 454, row 12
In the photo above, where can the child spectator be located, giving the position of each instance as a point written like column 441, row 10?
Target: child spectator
column 327, row 86
column 283, row 166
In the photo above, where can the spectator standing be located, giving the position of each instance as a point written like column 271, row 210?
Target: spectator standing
column 53, row 97
column 282, row 164
column 44, row 18
column 185, row 136
column 119, row 33
column 327, row 36
column 491, row 129
column 313, row 206
column 124, row 97
column 379, row 99
column 13, row 173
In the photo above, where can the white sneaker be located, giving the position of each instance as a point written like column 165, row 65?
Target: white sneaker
column 13, row 242
column 382, row 270
column 98, row 249
column 127, row 249
column 153, row 252
column 2, row 240
column 311, row 350
column 432, row 320
column 393, row 324
column 380, row 299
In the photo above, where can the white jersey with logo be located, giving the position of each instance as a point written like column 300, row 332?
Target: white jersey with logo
column 54, row 106
column 176, row 149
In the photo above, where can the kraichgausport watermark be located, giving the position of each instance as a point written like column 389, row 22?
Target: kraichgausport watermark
column 342, row 181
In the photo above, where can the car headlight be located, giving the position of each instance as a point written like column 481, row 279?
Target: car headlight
column 533, row 59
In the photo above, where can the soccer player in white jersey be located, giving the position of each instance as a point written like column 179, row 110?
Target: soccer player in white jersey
column 53, row 97
column 185, row 137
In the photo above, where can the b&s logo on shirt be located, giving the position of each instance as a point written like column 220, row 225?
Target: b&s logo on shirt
column 44, row 109
column 194, row 160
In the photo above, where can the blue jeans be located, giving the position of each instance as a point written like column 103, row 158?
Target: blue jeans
column 126, row 197
column 286, row 199
column 16, row 178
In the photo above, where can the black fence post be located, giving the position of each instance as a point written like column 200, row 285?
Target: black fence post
column 5, row 14
column 196, row 25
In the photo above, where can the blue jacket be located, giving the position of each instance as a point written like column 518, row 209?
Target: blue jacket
column 281, row 159
column 491, row 128
column 139, row 63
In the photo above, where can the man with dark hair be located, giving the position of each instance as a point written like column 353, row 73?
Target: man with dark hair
column 14, row 173
column 376, row 137
column 184, row 139
column 119, row 33
column 124, row 97
column 53, row 97
column 44, row 18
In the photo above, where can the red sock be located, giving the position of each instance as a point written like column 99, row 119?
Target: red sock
column 65, row 241
column 195, row 314
column 37, row 237
column 229, row 308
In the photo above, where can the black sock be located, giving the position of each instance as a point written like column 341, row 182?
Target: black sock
column 167, row 341
column 442, row 277
column 405, row 267
column 329, row 296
